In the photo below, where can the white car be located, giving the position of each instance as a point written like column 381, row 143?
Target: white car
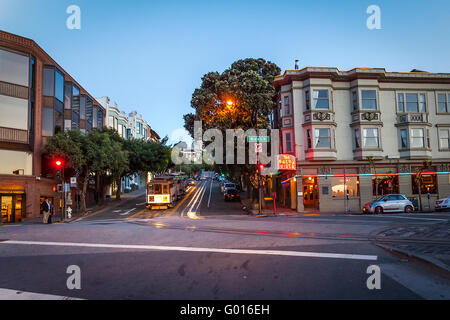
column 442, row 204
column 227, row 186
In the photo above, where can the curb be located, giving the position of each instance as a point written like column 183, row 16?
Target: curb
column 426, row 259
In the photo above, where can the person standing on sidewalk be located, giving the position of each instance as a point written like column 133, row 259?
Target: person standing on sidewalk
column 46, row 208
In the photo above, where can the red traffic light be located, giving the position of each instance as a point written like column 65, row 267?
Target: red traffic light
column 58, row 163
column 261, row 166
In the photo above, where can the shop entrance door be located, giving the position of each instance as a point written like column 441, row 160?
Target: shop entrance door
column 7, row 208
column 311, row 193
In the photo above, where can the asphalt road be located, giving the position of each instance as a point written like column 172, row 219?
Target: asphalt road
column 200, row 251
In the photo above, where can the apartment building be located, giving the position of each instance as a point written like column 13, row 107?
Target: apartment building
column 362, row 133
column 129, row 126
column 38, row 99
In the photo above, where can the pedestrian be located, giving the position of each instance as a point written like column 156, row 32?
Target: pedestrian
column 46, row 208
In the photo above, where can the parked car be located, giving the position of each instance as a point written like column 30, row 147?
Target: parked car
column 442, row 204
column 390, row 203
column 231, row 194
column 228, row 186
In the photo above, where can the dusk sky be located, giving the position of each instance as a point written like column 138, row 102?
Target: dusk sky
column 149, row 56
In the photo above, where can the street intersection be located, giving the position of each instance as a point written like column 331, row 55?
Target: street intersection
column 205, row 248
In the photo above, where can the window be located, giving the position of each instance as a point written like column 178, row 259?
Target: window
column 401, row 102
column 308, row 100
column 382, row 185
column 321, row 99
column 14, row 112
column 323, row 138
column 443, row 103
column 59, row 86
column 444, row 139
column 417, row 138
column 342, row 186
column 288, row 142
column 83, row 107
column 369, row 99
column 280, row 110
column 370, row 138
column 138, row 128
column 47, row 122
column 422, row 103
column 308, row 139
column 355, row 100
column 75, row 107
column 49, row 82
column 120, row 130
column 412, row 103
column 68, row 96
column 14, row 68
column 357, row 139
column 428, row 184
column 100, row 118
column 404, row 138
column 111, row 122
column 286, row 106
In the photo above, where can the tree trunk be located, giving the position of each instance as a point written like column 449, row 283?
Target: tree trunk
column 119, row 187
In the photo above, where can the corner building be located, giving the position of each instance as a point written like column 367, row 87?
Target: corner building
column 360, row 134
column 37, row 100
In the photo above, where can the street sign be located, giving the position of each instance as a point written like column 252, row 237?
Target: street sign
column 258, row 147
column 286, row 162
column 73, row 182
column 258, row 139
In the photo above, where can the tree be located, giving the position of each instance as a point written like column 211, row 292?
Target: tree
column 86, row 154
column 242, row 97
column 419, row 178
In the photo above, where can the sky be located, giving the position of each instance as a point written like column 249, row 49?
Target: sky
column 150, row 55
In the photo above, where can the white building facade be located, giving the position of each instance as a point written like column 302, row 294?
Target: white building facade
column 360, row 134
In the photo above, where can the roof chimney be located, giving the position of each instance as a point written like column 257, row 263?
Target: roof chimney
column 296, row 64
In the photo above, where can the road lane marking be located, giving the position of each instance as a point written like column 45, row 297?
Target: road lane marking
column 128, row 212
column 195, row 249
column 210, row 189
column 7, row 294
column 199, row 189
column 403, row 217
column 140, row 204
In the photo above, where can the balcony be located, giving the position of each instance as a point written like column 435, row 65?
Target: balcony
column 13, row 135
column 406, row 118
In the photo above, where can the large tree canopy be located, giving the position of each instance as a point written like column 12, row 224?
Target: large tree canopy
column 248, row 84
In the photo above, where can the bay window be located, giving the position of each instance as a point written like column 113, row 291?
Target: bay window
column 417, row 138
column 321, row 100
column 357, row 139
column 369, row 99
column 323, row 138
column 370, row 138
column 404, row 138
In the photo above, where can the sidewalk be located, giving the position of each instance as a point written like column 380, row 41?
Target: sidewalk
column 108, row 204
column 430, row 243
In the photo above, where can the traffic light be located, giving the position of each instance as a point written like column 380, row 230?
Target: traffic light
column 58, row 163
column 58, row 174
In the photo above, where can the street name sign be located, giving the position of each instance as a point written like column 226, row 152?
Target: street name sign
column 258, row 139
